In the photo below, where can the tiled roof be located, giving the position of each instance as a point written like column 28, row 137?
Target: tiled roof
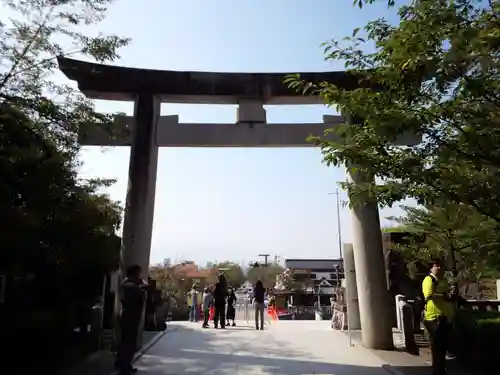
column 312, row 264
column 191, row 271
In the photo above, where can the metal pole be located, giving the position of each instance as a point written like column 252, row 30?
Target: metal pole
column 337, row 276
column 103, row 305
column 265, row 256
column 338, row 224
column 349, row 334
column 339, row 231
column 319, row 297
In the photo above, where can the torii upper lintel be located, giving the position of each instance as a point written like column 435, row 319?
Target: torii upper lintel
column 107, row 82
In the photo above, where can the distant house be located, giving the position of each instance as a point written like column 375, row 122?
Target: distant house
column 320, row 275
column 193, row 273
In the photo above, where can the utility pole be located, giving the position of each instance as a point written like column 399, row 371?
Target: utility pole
column 339, row 232
column 265, row 256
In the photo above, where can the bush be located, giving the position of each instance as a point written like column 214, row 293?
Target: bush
column 34, row 334
column 46, row 336
column 477, row 335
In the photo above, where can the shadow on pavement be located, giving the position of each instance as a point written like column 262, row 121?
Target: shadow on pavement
column 408, row 364
column 229, row 351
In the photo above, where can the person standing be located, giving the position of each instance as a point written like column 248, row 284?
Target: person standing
column 132, row 297
column 194, row 308
column 189, row 303
column 231, row 310
column 207, row 303
column 220, row 294
column 438, row 315
column 259, row 294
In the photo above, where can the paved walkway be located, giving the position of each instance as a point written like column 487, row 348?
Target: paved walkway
column 283, row 348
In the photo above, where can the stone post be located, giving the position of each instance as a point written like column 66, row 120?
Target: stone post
column 400, row 299
column 408, row 330
column 351, row 287
column 376, row 330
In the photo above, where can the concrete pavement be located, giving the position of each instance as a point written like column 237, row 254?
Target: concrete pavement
column 283, row 348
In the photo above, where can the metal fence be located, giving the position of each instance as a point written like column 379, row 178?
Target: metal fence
column 293, row 312
column 326, row 312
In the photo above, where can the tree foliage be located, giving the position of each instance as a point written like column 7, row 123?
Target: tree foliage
column 173, row 279
column 234, row 274
column 268, row 277
column 50, row 219
column 65, row 222
column 292, row 281
column 58, row 231
column 178, row 279
column 32, row 34
column 434, row 74
column 469, row 241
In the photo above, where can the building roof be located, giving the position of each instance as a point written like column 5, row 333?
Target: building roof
column 313, row 264
column 191, row 270
column 108, row 82
column 324, row 282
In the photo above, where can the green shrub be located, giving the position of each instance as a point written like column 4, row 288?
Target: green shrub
column 476, row 337
column 488, row 319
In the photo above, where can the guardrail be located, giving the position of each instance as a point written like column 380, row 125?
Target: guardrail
column 484, row 305
column 292, row 312
column 327, row 312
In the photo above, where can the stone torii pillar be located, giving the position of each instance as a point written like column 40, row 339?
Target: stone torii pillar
column 140, row 201
column 371, row 276
column 371, row 279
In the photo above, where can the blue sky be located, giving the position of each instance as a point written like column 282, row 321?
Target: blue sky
column 218, row 204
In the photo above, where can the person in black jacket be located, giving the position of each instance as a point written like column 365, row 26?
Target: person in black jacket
column 259, row 295
column 132, row 296
column 220, row 294
column 231, row 309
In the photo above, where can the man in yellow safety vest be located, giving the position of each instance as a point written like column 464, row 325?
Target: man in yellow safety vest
column 438, row 315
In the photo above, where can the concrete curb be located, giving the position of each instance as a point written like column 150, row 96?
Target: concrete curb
column 385, row 365
column 391, row 370
column 143, row 350
column 150, row 343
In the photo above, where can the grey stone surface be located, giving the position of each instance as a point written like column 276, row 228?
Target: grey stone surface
column 285, row 347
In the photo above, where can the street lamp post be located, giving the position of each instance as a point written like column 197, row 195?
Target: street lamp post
column 319, row 296
column 337, row 283
column 339, row 233
column 265, row 256
column 337, row 272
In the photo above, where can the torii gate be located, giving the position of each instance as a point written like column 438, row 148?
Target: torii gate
column 146, row 130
